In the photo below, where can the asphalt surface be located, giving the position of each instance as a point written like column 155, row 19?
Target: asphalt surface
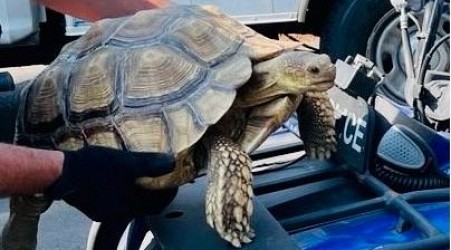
column 61, row 227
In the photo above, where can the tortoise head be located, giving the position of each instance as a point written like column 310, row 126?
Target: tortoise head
column 305, row 71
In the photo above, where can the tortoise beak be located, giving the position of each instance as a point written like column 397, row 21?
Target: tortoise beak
column 319, row 72
column 323, row 80
column 323, row 85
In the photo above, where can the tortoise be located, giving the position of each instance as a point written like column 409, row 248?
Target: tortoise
column 186, row 80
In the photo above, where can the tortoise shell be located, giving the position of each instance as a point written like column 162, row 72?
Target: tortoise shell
column 154, row 81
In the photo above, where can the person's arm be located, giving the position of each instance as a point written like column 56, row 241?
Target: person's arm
column 92, row 10
column 98, row 181
column 26, row 170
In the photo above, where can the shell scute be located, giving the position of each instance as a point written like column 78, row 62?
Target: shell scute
column 92, row 87
column 71, row 143
column 94, row 38
column 209, row 108
column 203, row 41
column 44, row 109
column 102, row 134
column 144, row 133
column 159, row 76
column 184, row 127
column 140, row 29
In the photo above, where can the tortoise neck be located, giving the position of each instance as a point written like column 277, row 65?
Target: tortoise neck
column 9, row 108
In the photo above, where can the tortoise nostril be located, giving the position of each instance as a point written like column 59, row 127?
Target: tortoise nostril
column 313, row 69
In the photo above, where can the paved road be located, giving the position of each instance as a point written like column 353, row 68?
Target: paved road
column 61, row 227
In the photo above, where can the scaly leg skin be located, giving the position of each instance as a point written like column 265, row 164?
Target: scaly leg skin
column 229, row 193
column 21, row 230
column 317, row 125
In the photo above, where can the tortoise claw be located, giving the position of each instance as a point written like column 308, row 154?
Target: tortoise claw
column 236, row 243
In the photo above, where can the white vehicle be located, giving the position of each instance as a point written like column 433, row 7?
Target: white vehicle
column 346, row 27
column 23, row 22
column 30, row 34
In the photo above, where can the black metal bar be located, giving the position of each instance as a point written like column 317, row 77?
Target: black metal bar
column 300, row 222
column 433, row 195
column 437, row 242
column 412, row 215
column 294, row 176
column 395, row 200
column 277, row 199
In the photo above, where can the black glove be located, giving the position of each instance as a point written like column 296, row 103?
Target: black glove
column 100, row 182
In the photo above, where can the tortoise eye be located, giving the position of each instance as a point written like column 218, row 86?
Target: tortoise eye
column 313, row 69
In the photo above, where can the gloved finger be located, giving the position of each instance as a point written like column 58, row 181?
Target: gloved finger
column 153, row 164
column 83, row 204
column 151, row 201
column 135, row 164
column 100, row 208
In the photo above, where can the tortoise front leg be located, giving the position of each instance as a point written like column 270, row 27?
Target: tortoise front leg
column 229, row 193
column 317, row 125
column 21, row 230
column 265, row 119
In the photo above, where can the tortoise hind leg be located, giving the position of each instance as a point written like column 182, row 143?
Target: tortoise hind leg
column 21, row 230
column 229, row 193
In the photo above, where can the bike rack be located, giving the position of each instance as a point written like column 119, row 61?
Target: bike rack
column 401, row 203
column 386, row 199
column 182, row 224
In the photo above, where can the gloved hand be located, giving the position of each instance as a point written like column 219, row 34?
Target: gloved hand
column 100, row 182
